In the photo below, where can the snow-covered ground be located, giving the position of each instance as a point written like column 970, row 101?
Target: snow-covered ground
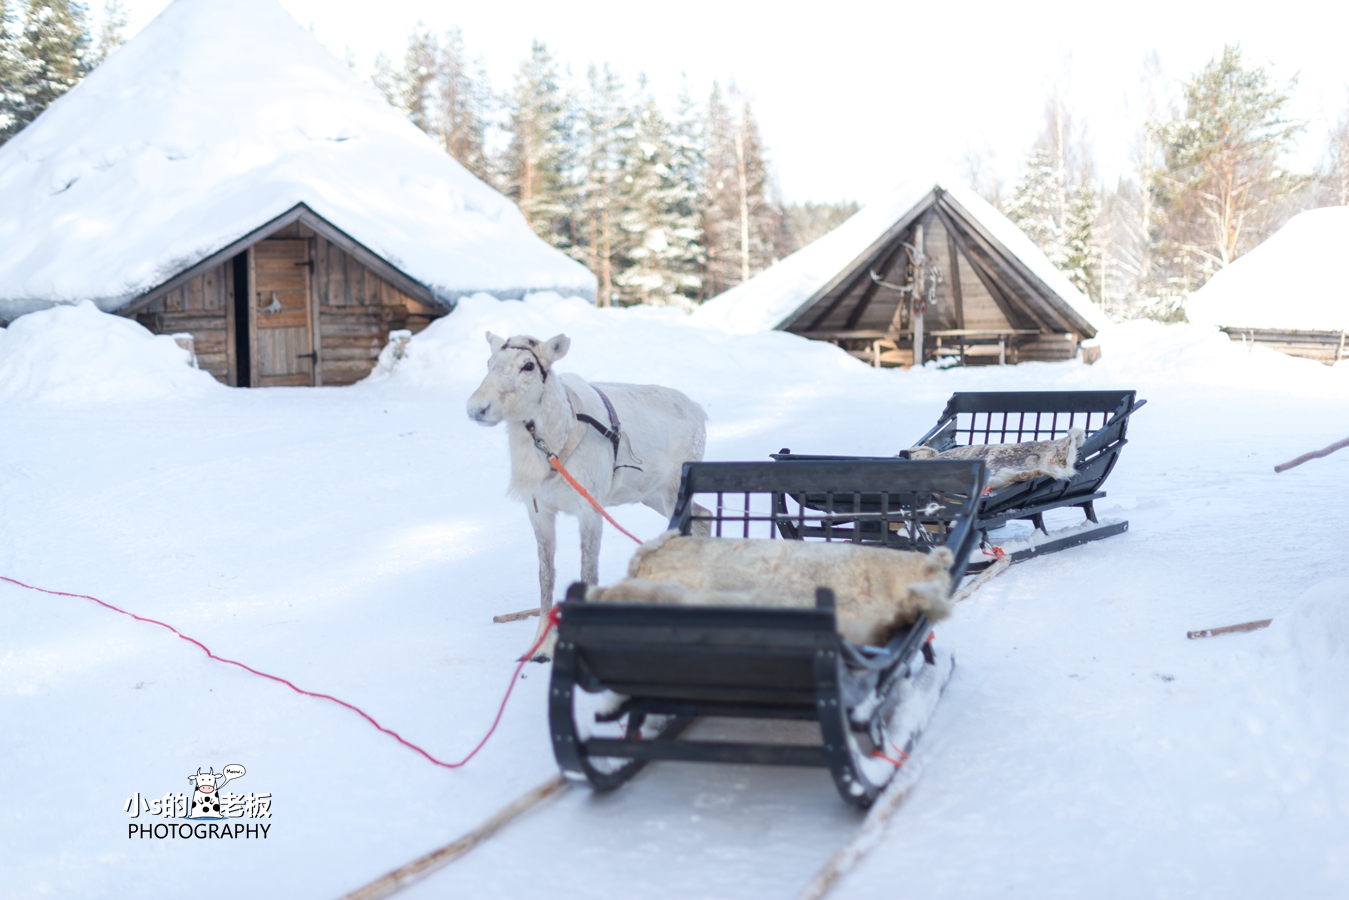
column 358, row 541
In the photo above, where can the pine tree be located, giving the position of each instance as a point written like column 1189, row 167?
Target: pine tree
column 110, row 29
column 661, row 246
column 14, row 74
column 742, row 221
column 1223, row 181
column 56, row 39
column 538, row 164
column 443, row 92
column 1055, row 202
column 603, row 136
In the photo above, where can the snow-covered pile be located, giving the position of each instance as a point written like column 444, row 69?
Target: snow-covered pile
column 771, row 297
column 76, row 354
column 1295, row 280
column 216, row 118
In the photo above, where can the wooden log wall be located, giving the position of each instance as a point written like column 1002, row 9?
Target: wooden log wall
column 204, row 308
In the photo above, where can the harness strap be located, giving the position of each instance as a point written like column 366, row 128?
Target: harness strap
column 530, row 350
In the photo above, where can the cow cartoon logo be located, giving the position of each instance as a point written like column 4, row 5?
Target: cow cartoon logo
column 206, row 802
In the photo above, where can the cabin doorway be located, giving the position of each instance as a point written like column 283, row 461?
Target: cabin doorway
column 283, row 314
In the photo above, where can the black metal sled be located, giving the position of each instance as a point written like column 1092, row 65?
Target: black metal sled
column 663, row 666
column 997, row 417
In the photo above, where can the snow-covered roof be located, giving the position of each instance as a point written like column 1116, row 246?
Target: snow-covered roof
column 219, row 117
column 774, row 297
column 1294, row 280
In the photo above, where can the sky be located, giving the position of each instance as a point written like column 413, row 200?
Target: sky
column 854, row 97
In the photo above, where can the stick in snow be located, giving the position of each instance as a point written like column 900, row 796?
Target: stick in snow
column 515, row 616
column 1315, row 454
column 419, row 868
column 1229, row 629
column 999, row 566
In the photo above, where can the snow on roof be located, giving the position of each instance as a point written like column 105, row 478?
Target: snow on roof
column 218, row 117
column 769, row 299
column 1294, row 280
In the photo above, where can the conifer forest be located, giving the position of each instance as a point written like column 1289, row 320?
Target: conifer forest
column 673, row 201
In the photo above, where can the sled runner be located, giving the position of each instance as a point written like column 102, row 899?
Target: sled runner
column 1011, row 417
column 629, row 679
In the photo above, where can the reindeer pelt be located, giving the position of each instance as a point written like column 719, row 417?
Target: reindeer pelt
column 1011, row 463
column 877, row 590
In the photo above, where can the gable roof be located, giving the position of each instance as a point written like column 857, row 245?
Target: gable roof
column 223, row 116
column 1294, row 280
column 821, row 286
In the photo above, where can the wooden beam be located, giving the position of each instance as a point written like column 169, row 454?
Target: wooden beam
column 1015, row 316
column 873, row 286
column 1041, row 293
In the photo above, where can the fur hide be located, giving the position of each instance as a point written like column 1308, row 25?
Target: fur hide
column 1011, row 463
column 877, row 590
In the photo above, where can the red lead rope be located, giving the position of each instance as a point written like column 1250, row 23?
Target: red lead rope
column 552, row 623
column 557, row 464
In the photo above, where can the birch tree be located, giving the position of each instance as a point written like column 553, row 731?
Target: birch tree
column 1335, row 170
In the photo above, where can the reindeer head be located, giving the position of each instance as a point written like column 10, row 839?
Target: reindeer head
column 517, row 375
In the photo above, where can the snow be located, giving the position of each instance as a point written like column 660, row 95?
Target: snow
column 219, row 116
column 1294, row 280
column 768, row 299
column 358, row 541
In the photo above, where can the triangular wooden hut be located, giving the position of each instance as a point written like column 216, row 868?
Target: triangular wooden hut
column 935, row 268
column 225, row 177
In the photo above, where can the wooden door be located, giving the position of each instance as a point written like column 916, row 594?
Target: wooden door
column 283, row 314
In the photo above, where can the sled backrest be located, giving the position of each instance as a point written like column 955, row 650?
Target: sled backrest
column 1010, row 417
column 891, row 502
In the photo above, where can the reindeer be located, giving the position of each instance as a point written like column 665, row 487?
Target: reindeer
column 637, row 457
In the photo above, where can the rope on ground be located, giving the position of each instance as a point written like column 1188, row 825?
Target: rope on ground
column 867, row 836
column 437, row 859
column 356, row 709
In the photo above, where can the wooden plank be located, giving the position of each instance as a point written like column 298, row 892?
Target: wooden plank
column 312, row 300
column 251, row 303
column 227, row 284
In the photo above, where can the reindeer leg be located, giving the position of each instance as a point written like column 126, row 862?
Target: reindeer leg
column 592, row 529
column 545, row 533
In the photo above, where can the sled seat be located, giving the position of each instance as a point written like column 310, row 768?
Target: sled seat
column 665, row 665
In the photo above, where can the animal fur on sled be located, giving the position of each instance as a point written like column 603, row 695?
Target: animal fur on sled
column 1010, row 463
column 877, row 590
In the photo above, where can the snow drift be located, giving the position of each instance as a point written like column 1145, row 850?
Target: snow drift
column 76, row 354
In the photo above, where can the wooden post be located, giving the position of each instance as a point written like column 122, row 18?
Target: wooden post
column 918, row 298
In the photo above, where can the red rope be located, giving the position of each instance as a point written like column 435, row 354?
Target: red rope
column 557, row 464
column 552, row 623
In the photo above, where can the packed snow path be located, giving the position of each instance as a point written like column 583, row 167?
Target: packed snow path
column 358, row 541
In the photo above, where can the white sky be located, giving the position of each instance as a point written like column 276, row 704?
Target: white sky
column 852, row 97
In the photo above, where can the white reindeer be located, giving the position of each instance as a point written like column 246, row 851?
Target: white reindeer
column 653, row 431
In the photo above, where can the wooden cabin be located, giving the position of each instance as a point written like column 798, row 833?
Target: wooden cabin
column 296, row 303
column 942, row 280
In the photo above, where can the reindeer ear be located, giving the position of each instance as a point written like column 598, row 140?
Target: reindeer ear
column 554, row 349
column 495, row 342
